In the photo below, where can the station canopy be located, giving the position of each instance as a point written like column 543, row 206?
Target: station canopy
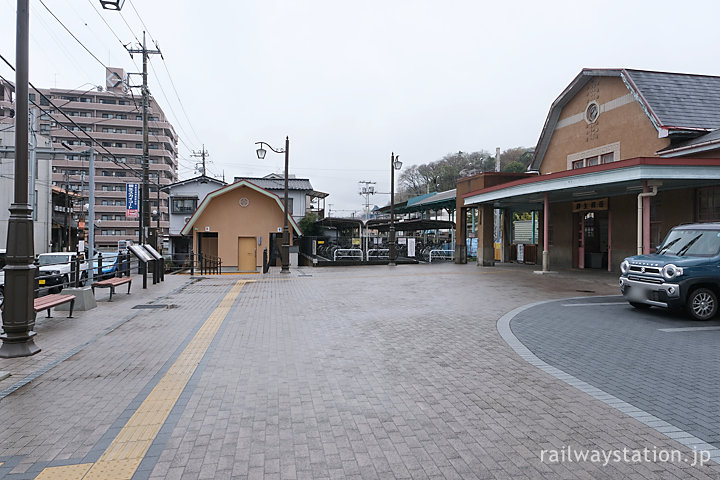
column 414, row 225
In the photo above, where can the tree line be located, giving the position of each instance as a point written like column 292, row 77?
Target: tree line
column 443, row 174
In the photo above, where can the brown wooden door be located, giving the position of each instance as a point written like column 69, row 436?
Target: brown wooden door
column 247, row 254
column 209, row 244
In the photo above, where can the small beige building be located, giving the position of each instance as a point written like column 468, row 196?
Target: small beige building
column 236, row 223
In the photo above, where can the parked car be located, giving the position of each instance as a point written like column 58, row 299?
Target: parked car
column 683, row 273
column 110, row 264
column 60, row 263
column 46, row 281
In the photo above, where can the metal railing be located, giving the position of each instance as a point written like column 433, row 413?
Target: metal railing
column 205, row 264
column 378, row 253
column 354, row 253
column 444, row 254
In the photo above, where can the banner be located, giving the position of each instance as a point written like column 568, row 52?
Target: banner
column 132, row 200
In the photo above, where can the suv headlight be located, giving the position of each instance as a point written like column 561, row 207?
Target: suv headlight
column 670, row 271
column 624, row 267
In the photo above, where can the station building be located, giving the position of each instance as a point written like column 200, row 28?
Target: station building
column 624, row 156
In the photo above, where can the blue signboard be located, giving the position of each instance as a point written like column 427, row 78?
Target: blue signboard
column 132, row 200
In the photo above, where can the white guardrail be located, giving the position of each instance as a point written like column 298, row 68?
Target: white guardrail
column 444, row 254
column 347, row 253
column 379, row 253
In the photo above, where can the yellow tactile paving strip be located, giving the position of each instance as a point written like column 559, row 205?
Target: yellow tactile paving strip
column 125, row 453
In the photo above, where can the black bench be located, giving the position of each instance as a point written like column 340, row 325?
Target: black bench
column 111, row 283
column 49, row 301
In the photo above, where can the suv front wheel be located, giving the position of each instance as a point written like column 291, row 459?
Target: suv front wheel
column 702, row 304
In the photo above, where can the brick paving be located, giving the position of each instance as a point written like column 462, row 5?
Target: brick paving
column 626, row 353
column 353, row 372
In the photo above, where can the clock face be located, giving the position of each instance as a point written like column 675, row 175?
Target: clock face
column 244, row 202
column 592, row 112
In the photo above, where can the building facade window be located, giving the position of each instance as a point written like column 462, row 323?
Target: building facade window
column 184, row 204
column 595, row 156
column 708, row 204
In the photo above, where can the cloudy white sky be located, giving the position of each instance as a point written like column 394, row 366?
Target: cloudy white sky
column 351, row 82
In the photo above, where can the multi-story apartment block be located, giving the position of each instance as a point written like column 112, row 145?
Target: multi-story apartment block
column 113, row 117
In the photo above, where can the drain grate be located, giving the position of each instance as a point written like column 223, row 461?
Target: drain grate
column 150, row 306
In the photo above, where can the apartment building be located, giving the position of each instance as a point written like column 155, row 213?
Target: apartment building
column 112, row 115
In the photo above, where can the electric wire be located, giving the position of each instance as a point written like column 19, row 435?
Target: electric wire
column 72, row 34
column 94, row 141
column 172, row 83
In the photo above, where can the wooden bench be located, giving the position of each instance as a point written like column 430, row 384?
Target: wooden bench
column 111, row 283
column 53, row 300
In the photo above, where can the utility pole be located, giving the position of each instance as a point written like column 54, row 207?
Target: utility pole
column 67, row 210
column 367, row 189
column 91, row 214
column 202, row 154
column 145, row 200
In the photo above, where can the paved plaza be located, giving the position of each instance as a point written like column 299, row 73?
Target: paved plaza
column 353, row 372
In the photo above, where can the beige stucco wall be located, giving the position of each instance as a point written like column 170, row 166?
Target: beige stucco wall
column 626, row 124
column 225, row 216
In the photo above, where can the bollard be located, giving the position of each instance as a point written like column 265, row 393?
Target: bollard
column 74, row 268
column 99, row 267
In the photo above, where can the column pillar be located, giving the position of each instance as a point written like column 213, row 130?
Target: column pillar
column 486, row 236
column 546, row 238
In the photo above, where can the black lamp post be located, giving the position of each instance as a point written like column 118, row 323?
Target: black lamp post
column 18, row 317
column 395, row 164
column 112, row 4
column 286, row 232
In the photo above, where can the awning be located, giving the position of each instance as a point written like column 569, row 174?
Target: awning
column 414, row 225
column 340, row 223
column 624, row 177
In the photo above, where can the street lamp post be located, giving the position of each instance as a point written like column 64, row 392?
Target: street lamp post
column 395, row 164
column 18, row 317
column 286, row 232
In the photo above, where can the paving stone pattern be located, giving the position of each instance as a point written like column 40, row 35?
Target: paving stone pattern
column 357, row 372
column 622, row 351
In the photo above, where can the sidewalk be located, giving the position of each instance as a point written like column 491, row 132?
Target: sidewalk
column 351, row 372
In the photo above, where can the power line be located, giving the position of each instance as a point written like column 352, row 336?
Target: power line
column 94, row 141
column 72, row 34
column 179, row 100
column 172, row 83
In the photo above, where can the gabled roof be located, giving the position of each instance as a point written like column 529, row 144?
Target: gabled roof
column 674, row 102
column 678, row 100
column 187, row 229
column 201, row 179
column 278, row 183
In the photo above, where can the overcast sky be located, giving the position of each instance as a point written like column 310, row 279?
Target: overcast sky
column 351, row 82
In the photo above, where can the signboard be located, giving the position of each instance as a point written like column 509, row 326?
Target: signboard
column 142, row 254
column 152, row 251
column 521, row 253
column 411, row 247
column 590, row 205
column 132, row 200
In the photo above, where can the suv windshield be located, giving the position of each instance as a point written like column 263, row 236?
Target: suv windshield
column 44, row 260
column 694, row 243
